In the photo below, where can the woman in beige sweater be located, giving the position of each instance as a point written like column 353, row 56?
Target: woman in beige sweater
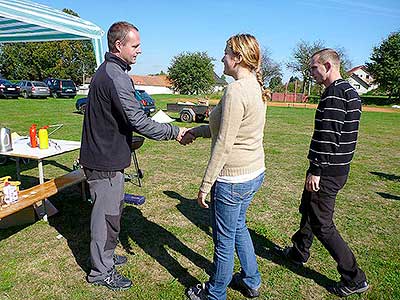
column 235, row 170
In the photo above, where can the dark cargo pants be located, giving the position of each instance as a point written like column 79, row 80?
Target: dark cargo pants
column 107, row 192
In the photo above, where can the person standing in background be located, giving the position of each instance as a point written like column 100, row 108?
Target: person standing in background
column 332, row 148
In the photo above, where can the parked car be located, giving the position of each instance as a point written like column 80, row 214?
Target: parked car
column 33, row 89
column 61, row 87
column 8, row 89
column 80, row 105
column 146, row 102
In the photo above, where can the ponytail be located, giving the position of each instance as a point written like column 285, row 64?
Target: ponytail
column 266, row 93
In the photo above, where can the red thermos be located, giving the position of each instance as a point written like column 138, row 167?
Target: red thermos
column 32, row 136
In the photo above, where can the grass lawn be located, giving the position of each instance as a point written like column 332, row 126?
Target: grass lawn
column 168, row 241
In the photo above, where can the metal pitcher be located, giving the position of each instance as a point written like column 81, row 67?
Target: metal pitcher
column 5, row 140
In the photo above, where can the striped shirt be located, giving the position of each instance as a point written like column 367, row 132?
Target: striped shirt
column 336, row 126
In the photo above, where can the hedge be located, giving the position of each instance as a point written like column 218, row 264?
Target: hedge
column 366, row 100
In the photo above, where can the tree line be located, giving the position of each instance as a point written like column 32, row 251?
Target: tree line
column 193, row 73
column 39, row 60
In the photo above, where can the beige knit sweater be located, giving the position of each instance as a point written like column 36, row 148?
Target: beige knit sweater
column 236, row 128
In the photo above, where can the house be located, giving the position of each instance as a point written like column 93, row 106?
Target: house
column 361, row 80
column 220, row 83
column 153, row 84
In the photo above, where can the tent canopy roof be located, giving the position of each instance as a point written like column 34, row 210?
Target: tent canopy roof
column 27, row 21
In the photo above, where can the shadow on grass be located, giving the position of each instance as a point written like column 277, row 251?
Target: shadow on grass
column 154, row 240
column 263, row 246
column 388, row 196
column 9, row 169
column 73, row 222
column 58, row 165
column 391, row 177
column 7, row 232
column 192, row 211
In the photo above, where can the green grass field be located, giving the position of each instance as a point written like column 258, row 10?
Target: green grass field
column 167, row 240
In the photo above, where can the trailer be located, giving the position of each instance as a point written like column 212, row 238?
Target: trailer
column 190, row 112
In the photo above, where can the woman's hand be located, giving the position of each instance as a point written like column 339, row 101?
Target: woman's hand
column 201, row 199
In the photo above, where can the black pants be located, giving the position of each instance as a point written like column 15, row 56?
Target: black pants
column 317, row 219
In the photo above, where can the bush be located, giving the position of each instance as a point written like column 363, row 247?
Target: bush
column 313, row 99
column 378, row 100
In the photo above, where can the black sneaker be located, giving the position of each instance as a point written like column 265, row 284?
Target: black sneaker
column 342, row 289
column 119, row 260
column 197, row 292
column 238, row 284
column 114, row 281
column 287, row 254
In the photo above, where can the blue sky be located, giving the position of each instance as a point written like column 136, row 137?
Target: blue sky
column 170, row 27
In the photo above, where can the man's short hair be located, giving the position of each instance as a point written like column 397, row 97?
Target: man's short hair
column 118, row 31
column 327, row 54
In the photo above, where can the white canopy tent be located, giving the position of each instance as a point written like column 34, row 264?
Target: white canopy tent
column 27, row 21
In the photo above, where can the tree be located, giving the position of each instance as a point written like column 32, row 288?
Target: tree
column 192, row 73
column 301, row 56
column 385, row 65
column 39, row 60
column 275, row 82
column 157, row 74
column 300, row 61
column 269, row 68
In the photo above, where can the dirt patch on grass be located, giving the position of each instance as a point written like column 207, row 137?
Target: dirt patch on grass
column 311, row 105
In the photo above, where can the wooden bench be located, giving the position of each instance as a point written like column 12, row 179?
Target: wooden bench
column 42, row 191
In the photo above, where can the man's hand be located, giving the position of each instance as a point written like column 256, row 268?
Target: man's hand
column 182, row 131
column 201, row 199
column 312, row 183
column 187, row 138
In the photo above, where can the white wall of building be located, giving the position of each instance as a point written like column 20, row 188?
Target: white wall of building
column 358, row 87
column 154, row 89
column 363, row 75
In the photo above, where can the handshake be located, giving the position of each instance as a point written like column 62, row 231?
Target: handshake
column 185, row 136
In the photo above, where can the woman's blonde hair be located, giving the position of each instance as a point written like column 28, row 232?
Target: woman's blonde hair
column 246, row 45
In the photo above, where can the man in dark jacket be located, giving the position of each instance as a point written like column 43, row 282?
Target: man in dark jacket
column 331, row 150
column 110, row 118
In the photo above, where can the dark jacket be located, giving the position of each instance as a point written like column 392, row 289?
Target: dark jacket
column 112, row 115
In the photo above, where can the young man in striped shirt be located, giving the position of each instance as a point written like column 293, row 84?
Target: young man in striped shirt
column 331, row 150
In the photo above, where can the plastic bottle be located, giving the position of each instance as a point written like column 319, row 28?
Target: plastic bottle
column 43, row 138
column 10, row 193
column 32, row 136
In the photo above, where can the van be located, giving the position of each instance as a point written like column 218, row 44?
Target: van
column 61, row 87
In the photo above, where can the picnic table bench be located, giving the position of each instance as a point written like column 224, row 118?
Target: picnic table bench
column 41, row 191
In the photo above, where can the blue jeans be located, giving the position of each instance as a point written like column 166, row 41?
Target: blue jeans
column 229, row 203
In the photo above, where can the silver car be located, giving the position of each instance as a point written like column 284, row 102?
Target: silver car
column 32, row 89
